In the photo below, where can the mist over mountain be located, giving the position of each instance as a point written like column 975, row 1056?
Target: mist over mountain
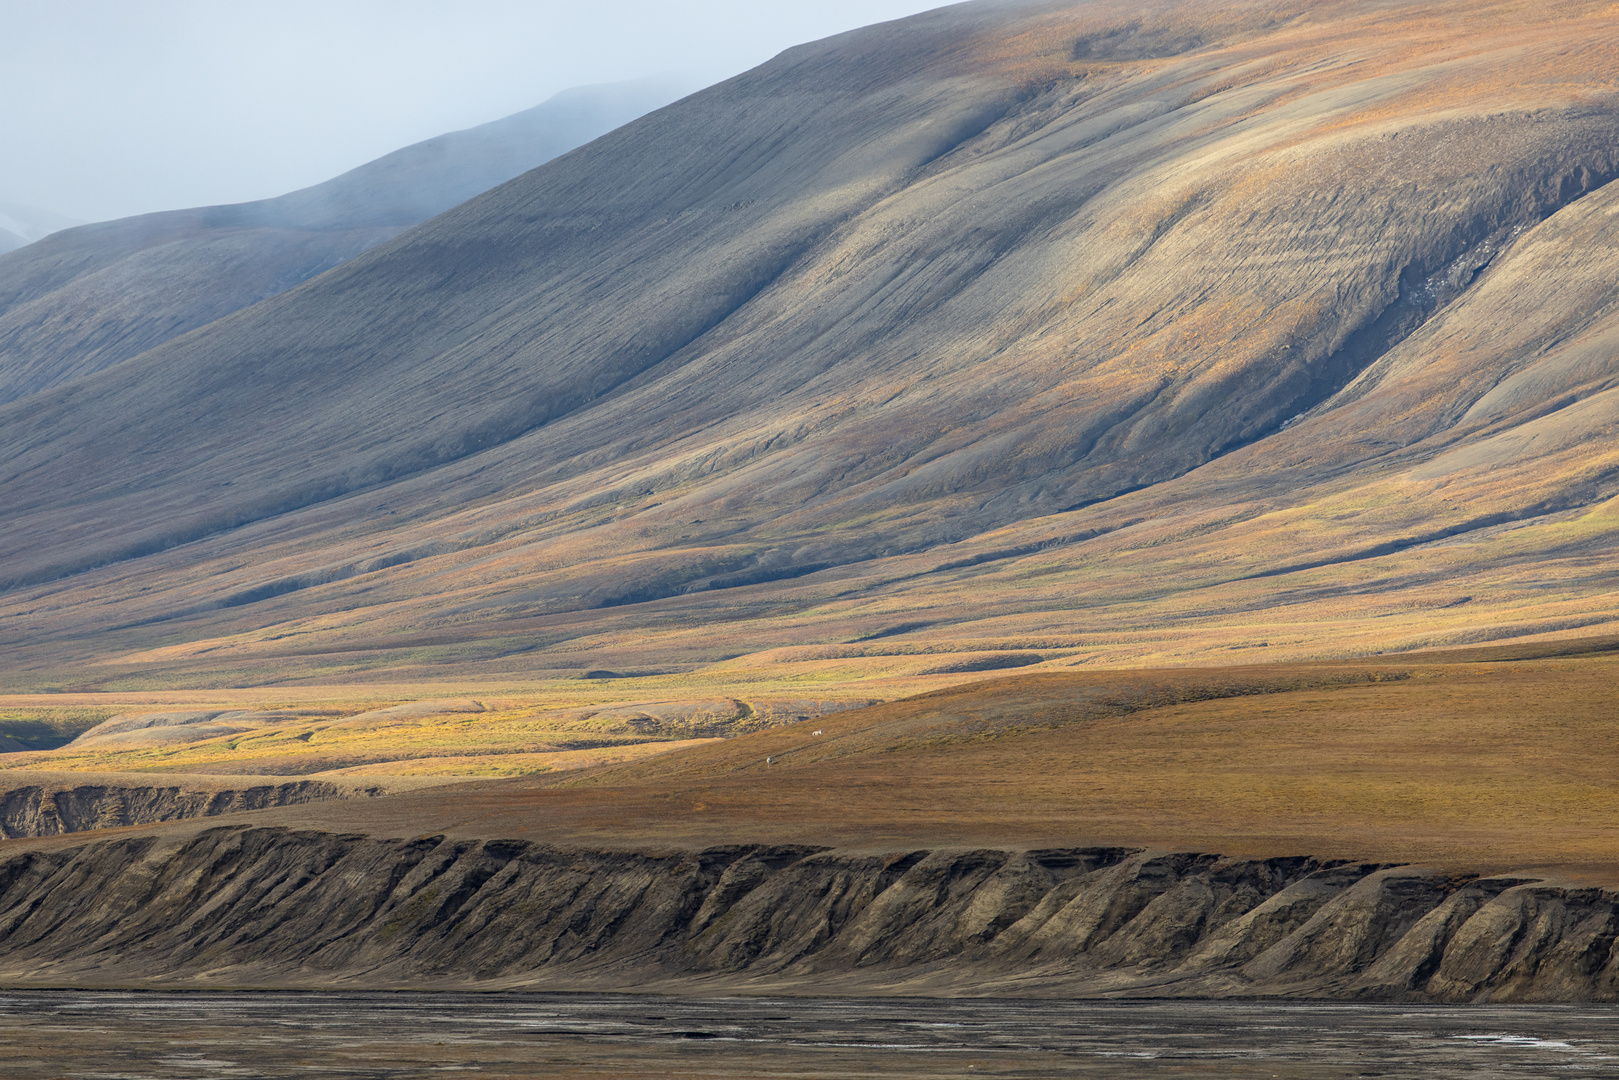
column 1104, row 331
column 21, row 225
column 99, row 294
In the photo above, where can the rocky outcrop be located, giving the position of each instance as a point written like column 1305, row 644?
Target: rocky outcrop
column 46, row 809
column 272, row 906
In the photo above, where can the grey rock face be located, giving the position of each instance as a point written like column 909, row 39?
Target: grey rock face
column 51, row 810
column 271, row 905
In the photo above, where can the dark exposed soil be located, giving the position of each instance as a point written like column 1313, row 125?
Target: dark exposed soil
column 68, row 804
column 266, row 906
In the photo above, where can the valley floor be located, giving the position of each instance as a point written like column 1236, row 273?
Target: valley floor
column 172, row 1036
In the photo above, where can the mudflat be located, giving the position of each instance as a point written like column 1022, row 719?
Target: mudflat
column 167, row 1036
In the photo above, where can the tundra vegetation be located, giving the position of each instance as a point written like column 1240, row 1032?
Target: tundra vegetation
column 1173, row 437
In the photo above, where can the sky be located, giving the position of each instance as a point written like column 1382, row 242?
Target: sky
column 119, row 107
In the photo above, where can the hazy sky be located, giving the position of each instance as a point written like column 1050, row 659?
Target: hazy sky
column 116, row 107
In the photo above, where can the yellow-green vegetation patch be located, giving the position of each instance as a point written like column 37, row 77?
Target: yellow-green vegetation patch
column 485, row 736
column 496, row 765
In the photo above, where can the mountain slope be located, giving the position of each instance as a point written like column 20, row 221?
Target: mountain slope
column 99, row 294
column 1074, row 327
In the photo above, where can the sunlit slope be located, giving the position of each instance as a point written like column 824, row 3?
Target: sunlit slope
column 1487, row 765
column 1480, row 764
column 1085, row 330
column 91, row 297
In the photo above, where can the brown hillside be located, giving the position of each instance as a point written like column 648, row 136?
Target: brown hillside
column 1050, row 333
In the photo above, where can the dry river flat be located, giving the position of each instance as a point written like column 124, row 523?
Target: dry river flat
column 595, row 1037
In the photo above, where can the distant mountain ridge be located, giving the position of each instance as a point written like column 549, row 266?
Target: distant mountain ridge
column 99, row 294
column 1086, row 331
column 21, row 225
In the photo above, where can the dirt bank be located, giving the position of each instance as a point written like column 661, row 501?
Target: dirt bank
column 270, row 906
column 34, row 804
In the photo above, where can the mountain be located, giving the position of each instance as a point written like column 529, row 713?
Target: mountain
column 96, row 295
column 21, row 225
column 1007, row 333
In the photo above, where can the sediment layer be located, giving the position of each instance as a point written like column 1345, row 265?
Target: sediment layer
column 46, row 805
column 268, row 906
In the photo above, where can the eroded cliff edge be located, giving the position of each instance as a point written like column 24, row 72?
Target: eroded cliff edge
column 51, row 804
column 243, row 905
